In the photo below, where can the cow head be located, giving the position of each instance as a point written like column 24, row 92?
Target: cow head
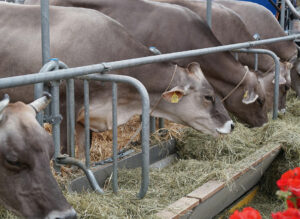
column 192, row 101
column 27, row 186
column 267, row 82
column 246, row 101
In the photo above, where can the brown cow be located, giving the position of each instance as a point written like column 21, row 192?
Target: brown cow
column 229, row 29
column 27, row 186
column 83, row 37
column 172, row 28
column 260, row 20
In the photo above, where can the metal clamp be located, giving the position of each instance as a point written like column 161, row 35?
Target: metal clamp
column 53, row 119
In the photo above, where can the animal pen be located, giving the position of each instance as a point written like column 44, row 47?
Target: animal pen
column 55, row 70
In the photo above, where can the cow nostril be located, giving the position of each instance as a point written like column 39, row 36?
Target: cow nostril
column 232, row 126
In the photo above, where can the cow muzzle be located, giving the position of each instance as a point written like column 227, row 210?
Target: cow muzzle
column 227, row 127
column 68, row 214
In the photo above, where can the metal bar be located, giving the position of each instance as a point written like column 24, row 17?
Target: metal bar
column 55, row 126
column 293, row 9
column 86, row 123
column 79, row 71
column 282, row 14
column 145, row 121
column 70, row 118
column 277, row 72
column 152, row 124
column 236, row 56
column 115, row 137
column 45, row 30
column 39, row 87
column 255, row 62
column 161, row 123
column 90, row 176
column 208, row 12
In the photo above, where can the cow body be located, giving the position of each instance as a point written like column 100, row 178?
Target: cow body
column 172, row 28
column 229, row 29
column 260, row 20
column 83, row 37
column 27, row 186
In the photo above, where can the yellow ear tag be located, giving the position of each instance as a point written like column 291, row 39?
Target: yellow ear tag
column 246, row 94
column 174, row 98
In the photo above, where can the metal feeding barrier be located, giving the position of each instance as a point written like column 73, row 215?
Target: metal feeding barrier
column 57, row 70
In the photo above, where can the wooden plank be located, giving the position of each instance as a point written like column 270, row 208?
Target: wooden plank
column 178, row 208
column 207, row 190
column 258, row 161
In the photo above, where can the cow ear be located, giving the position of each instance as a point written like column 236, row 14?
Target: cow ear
column 249, row 97
column 194, row 69
column 3, row 104
column 282, row 80
column 174, row 95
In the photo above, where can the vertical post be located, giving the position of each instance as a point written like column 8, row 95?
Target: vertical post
column 39, row 88
column 276, row 86
column 115, row 136
column 161, row 123
column 86, row 123
column 70, row 117
column 152, row 124
column 282, row 13
column 55, row 121
column 208, row 12
column 256, row 36
column 45, row 30
column 236, row 56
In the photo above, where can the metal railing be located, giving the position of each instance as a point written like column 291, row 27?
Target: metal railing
column 57, row 74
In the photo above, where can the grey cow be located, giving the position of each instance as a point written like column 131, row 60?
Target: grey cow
column 27, row 186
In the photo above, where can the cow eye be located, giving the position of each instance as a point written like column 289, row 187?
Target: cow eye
column 14, row 164
column 209, row 98
column 260, row 101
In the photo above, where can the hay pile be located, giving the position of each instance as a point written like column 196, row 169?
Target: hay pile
column 202, row 158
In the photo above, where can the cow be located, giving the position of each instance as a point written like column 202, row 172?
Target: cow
column 83, row 37
column 251, row 13
column 27, row 186
column 260, row 20
column 172, row 28
column 229, row 29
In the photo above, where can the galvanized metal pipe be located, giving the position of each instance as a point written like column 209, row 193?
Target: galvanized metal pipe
column 87, row 122
column 277, row 72
column 208, row 12
column 55, row 115
column 282, row 14
column 145, row 121
column 70, row 118
column 161, row 123
column 45, row 30
column 152, row 124
column 79, row 71
column 236, row 56
column 39, row 87
column 90, row 176
column 293, row 9
column 115, row 136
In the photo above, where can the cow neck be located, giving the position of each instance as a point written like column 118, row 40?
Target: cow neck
column 168, row 87
column 237, row 86
column 155, row 105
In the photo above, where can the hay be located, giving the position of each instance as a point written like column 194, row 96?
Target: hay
column 202, row 158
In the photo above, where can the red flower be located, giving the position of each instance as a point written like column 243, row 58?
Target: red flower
column 290, row 213
column 247, row 213
column 290, row 181
column 290, row 204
